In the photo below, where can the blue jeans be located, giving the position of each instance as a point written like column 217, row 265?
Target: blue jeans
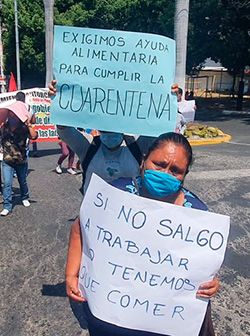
column 7, row 172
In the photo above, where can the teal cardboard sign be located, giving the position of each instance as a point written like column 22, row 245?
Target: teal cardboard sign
column 114, row 80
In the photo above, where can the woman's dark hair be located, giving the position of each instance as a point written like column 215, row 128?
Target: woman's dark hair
column 20, row 96
column 177, row 139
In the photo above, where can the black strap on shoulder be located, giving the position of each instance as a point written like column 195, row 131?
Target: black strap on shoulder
column 93, row 148
column 134, row 148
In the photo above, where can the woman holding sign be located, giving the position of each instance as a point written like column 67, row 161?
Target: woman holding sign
column 162, row 177
column 110, row 155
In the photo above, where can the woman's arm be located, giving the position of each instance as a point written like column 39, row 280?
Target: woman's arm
column 75, row 140
column 73, row 262
column 209, row 288
column 33, row 134
column 78, row 142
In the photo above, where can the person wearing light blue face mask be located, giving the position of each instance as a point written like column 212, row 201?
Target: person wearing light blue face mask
column 165, row 167
column 111, row 140
column 162, row 177
column 161, row 184
column 109, row 155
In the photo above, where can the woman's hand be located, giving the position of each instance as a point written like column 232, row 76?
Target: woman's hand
column 33, row 119
column 174, row 88
column 52, row 93
column 72, row 289
column 33, row 134
column 52, row 88
column 209, row 288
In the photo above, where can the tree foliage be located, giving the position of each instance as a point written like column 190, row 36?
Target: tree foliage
column 31, row 39
column 220, row 30
column 217, row 28
column 135, row 15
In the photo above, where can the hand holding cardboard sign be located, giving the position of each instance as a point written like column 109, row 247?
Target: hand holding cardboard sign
column 72, row 289
column 52, row 88
column 209, row 289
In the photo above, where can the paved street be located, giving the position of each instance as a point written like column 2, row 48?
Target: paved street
column 33, row 241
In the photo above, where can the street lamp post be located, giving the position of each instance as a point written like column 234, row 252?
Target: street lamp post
column 181, row 32
column 17, row 47
column 49, row 25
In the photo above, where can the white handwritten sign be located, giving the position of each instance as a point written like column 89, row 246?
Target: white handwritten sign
column 143, row 260
column 114, row 80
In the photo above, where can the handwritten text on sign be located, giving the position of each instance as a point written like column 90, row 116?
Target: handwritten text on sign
column 39, row 104
column 144, row 260
column 114, row 80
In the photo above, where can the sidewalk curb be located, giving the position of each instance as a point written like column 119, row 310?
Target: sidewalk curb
column 234, row 112
column 210, row 141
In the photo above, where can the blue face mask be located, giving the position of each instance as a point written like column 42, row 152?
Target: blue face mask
column 111, row 140
column 160, row 184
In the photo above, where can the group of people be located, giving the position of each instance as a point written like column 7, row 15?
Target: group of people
column 162, row 176
column 158, row 165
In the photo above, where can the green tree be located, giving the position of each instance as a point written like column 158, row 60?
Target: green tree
column 217, row 28
column 31, row 38
column 181, row 30
column 135, row 15
column 49, row 22
column 220, row 30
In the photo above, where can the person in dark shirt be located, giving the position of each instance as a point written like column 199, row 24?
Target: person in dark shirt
column 162, row 177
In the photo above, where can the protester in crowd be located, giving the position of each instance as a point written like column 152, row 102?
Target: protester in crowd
column 110, row 155
column 162, row 177
column 66, row 153
column 180, row 119
column 179, row 93
column 17, row 127
column 186, row 109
